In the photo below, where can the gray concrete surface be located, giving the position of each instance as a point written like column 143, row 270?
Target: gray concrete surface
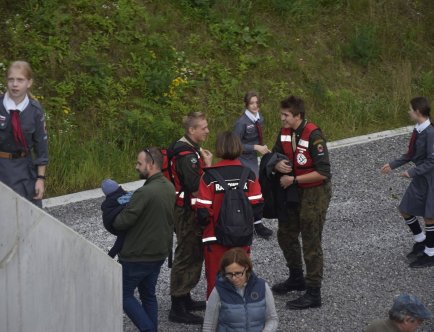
column 51, row 278
column 365, row 242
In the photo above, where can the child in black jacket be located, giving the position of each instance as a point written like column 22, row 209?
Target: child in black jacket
column 116, row 199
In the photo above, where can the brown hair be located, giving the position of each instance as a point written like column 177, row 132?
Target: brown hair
column 294, row 105
column 192, row 119
column 421, row 104
column 24, row 66
column 228, row 146
column 249, row 95
column 239, row 256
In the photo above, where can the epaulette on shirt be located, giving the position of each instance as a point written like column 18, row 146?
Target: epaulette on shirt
column 35, row 103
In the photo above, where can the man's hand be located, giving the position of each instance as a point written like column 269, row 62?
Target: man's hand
column 405, row 175
column 39, row 189
column 283, row 167
column 207, row 157
column 286, row 181
column 386, row 169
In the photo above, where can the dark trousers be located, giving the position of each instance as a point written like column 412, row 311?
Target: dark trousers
column 307, row 218
column 144, row 276
column 188, row 259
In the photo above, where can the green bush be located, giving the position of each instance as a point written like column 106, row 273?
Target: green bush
column 363, row 46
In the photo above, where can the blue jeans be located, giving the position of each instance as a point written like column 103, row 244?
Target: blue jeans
column 141, row 275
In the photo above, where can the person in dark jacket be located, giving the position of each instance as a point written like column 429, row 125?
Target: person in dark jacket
column 23, row 136
column 249, row 128
column 418, row 199
column 116, row 200
column 148, row 221
column 240, row 301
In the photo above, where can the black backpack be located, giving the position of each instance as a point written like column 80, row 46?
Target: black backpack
column 234, row 226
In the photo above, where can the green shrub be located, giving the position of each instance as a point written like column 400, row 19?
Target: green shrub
column 363, row 46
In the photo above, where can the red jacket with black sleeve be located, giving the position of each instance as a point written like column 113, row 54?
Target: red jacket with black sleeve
column 210, row 196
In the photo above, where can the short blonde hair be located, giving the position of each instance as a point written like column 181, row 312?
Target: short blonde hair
column 192, row 119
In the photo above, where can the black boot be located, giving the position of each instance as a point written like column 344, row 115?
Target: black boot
column 423, row 261
column 263, row 231
column 295, row 282
column 192, row 305
column 417, row 250
column 311, row 299
column 179, row 314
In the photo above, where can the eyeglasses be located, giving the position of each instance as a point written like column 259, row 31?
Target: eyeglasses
column 230, row 275
column 150, row 155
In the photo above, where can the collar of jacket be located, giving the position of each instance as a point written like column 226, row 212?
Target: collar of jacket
column 300, row 128
column 188, row 140
column 153, row 177
column 227, row 162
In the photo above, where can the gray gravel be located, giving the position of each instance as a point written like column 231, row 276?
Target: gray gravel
column 365, row 242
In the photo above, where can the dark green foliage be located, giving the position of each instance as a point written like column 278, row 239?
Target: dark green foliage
column 115, row 76
column 364, row 46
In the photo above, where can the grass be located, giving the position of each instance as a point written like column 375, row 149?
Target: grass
column 119, row 75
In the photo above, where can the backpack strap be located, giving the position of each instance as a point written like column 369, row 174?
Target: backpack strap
column 216, row 175
column 174, row 152
column 243, row 178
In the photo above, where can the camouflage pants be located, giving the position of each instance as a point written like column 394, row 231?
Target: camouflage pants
column 307, row 219
column 188, row 259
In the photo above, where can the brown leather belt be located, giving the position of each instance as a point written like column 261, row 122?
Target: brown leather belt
column 12, row 155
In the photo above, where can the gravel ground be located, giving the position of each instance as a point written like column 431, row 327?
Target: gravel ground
column 365, row 242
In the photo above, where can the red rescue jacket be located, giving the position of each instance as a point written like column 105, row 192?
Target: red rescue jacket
column 210, row 196
column 301, row 160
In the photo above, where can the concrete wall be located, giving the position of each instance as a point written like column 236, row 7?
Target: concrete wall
column 51, row 278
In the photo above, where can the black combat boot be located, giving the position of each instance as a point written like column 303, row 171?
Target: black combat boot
column 179, row 314
column 417, row 250
column 295, row 282
column 263, row 231
column 311, row 299
column 192, row 305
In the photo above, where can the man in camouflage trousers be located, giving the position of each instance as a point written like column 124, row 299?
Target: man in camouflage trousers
column 187, row 264
column 308, row 169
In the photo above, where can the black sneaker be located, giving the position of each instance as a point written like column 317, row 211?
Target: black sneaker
column 263, row 231
column 423, row 261
column 417, row 251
